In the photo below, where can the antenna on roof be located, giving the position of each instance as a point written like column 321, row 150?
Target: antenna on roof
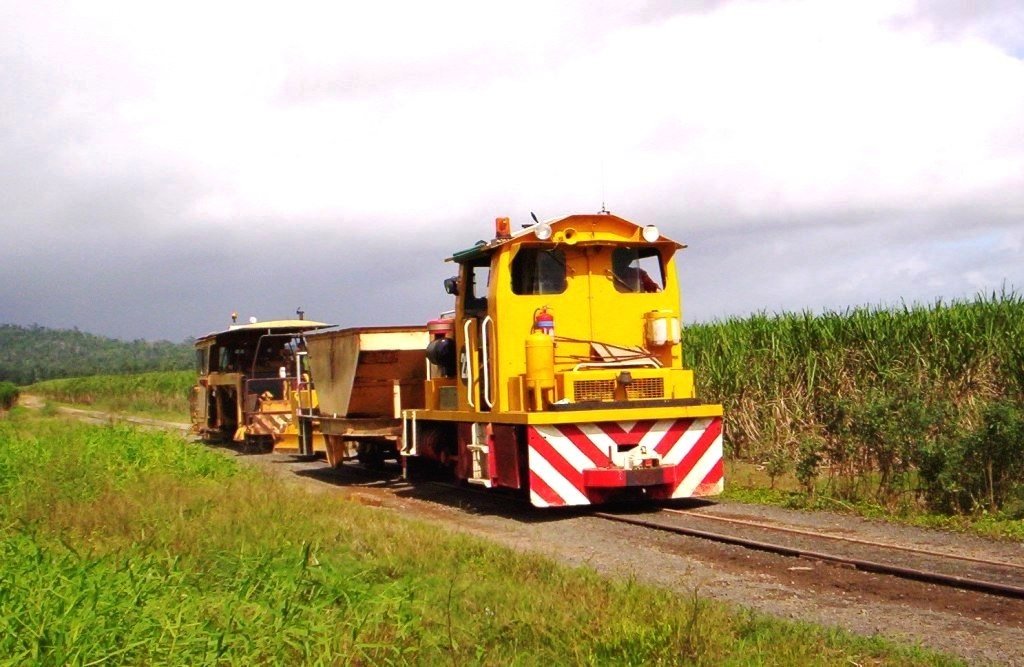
column 603, row 209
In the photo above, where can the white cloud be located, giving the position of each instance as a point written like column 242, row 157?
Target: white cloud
column 790, row 107
column 758, row 122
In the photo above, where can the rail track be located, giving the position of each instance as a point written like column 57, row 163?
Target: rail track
column 1004, row 579
column 1011, row 574
column 1012, row 585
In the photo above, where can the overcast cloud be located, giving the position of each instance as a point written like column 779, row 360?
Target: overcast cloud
column 164, row 164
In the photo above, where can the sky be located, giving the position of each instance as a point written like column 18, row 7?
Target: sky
column 165, row 164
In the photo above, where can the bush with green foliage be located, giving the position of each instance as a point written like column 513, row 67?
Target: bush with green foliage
column 8, row 395
column 981, row 468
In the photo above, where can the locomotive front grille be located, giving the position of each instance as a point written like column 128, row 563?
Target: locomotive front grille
column 641, row 388
column 604, row 390
column 593, row 390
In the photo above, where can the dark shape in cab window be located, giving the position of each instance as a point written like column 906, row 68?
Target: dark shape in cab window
column 637, row 270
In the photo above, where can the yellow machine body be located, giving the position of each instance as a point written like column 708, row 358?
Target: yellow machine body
column 569, row 359
column 250, row 385
column 600, row 329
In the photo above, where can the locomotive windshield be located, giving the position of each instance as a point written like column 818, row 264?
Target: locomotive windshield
column 637, row 269
column 538, row 271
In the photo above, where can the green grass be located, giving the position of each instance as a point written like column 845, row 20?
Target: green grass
column 882, row 404
column 774, row 372
column 749, row 483
column 162, row 394
column 134, row 547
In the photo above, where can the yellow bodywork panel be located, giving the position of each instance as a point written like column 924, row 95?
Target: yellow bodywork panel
column 301, row 400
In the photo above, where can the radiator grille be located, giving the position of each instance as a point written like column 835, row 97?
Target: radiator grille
column 604, row 390
column 593, row 390
column 646, row 388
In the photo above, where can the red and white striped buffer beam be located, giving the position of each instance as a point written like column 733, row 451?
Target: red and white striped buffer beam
column 581, row 464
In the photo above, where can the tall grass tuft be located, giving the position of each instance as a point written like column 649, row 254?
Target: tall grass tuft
column 867, row 392
column 161, row 392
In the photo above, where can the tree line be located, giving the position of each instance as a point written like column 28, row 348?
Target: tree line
column 34, row 353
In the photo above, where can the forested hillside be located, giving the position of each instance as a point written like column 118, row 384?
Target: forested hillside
column 31, row 354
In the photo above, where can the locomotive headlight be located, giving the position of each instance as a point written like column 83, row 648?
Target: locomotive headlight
column 543, row 231
column 651, row 234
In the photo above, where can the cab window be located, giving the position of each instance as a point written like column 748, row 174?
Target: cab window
column 478, row 277
column 538, row 271
column 226, row 360
column 637, row 270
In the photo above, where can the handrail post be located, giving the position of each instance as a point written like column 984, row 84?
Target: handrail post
column 486, row 372
column 469, row 352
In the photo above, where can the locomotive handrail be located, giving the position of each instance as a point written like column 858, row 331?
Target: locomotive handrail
column 486, row 369
column 469, row 364
column 630, row 363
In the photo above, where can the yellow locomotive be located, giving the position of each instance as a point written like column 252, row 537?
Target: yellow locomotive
column 559, row 372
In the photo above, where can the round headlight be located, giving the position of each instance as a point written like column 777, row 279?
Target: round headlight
column 651, row 234
column 543, row 231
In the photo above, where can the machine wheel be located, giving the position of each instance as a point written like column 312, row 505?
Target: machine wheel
column 370, row 454
column 258, row 444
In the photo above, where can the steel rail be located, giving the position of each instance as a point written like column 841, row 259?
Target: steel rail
column 852, row 540
column 953, row 581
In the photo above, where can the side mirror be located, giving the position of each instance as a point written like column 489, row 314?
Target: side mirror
column 451, row 285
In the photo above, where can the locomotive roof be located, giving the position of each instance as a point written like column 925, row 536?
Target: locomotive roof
column 279, row 326
column 591, row 220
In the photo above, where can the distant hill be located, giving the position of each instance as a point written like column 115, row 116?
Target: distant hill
column 31, row 354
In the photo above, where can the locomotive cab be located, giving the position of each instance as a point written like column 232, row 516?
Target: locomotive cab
column 605, row 298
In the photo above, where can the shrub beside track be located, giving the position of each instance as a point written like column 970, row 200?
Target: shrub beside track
column 8, row 395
